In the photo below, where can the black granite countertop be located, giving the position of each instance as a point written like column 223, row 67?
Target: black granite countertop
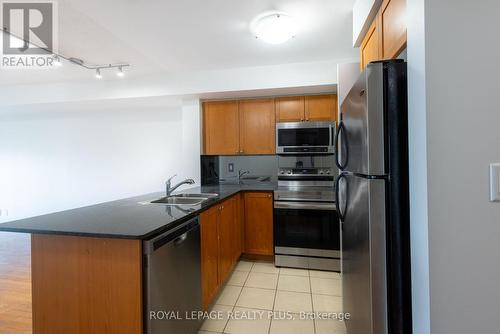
column 130, row 218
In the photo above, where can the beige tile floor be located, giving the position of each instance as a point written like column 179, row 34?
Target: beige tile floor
column 258, row 287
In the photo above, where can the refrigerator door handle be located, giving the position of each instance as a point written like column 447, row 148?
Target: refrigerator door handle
column 340, row 213
column 341, row 129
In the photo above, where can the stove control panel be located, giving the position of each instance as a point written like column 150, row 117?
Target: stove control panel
column 305, row 172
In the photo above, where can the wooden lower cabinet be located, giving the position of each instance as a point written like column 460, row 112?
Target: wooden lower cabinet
column 70, row 273
column 226, row 241
column 86, row 285
column 258, row 223
column 238, row 231
column 209, row 254
column 220, row 248
column 242, row 223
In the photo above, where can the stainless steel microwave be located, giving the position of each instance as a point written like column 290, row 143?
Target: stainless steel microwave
column 305, row 137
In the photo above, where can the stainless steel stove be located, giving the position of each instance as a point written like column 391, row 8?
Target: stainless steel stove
column 306, row 225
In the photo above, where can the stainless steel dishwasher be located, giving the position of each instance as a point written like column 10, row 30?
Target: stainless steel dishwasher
column 172, row 272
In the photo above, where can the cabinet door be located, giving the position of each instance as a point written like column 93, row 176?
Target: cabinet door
column 370, row 49
column 257, row 126
column 221, row 128
column 392, row 22
column 321, row 108
column 209, row 254
column 290, row 109
column 258, row 223
column 238, row 231
column 226, row 242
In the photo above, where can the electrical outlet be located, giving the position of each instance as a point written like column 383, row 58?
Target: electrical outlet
column 230, row 167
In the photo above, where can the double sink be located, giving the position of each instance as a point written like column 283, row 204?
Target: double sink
column 185, row 199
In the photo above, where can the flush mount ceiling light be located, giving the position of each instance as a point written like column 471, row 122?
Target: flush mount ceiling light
column 274, row 28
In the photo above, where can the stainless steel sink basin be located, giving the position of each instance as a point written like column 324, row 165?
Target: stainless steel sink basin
column 185, row 199
column 173, row 200
column 201, row 195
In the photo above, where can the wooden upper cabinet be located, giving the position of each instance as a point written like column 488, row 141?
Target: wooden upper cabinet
column 209, row 254
column 392, row 22
column 386, row 37
column 249, row 126
column 221, row 127
column 370, row 49
column 257, row 126
column 258, row 223
column 290, row 109
column 321, row 108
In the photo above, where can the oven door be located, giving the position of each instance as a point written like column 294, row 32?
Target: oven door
column 306, row 229
column 300, row 137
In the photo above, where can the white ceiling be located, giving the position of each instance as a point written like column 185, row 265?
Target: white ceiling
column 169, row 36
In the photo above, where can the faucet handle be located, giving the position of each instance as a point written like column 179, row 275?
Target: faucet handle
column 170, row 178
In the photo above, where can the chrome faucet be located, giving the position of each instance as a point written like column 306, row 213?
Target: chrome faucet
column 242, row 172
column 168, row 185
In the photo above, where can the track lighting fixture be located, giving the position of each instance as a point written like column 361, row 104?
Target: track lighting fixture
column 58, row 58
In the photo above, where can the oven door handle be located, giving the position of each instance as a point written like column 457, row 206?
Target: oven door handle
column 304, row 205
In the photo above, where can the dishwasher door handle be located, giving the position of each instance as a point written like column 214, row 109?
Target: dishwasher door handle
column 180, row 239
column 176, row 236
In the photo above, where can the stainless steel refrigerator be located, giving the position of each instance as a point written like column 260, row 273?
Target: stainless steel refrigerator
column 373, row 201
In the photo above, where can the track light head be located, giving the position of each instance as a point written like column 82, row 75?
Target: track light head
column 57, row 60
column 120, row 72
column 98, row 74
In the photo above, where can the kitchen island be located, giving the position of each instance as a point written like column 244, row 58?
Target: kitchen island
column 87, row 263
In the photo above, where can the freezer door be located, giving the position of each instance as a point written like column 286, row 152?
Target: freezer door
column 364, row 284
column 361, row 130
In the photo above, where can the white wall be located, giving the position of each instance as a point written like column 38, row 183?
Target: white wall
column 195, row 83
column 347, row 74
column 454, row 95
column 417, row 133
column 52, row 159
